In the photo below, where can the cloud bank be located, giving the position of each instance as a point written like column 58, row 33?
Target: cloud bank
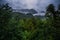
column 29, row 4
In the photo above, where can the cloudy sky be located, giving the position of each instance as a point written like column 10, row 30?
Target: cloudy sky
column 29, row 4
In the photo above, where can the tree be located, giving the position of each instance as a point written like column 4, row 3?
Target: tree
column 50, row 8
column 5, row 14
column 51, row 16
column 5, row 11
column 59, row 7
column 58, row 23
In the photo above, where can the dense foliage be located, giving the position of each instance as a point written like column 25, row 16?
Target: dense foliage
column 15, row 27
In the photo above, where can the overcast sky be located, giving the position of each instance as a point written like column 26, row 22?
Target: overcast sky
column 29, row 4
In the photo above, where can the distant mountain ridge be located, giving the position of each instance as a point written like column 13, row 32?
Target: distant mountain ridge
column 20, row 15
column 32, row 11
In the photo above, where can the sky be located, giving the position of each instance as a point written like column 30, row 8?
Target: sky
column 32, row 4
column 39, row 5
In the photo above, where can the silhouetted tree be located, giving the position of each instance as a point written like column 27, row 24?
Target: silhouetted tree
column 59, row 7
column 5, row 12
column 51, row 16
column 58, row 23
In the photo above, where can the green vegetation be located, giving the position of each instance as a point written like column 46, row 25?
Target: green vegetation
column 18, row 26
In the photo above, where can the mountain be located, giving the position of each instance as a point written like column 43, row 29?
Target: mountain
column 42, row 11
column 21, row 15
column 26, row 11
column 29, row 13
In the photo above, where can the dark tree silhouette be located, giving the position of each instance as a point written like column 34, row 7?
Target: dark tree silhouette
column 5, row 11
column 50, row 8
column 50, row 12
column 54, row 19
column 58, row 23
column 59, row 7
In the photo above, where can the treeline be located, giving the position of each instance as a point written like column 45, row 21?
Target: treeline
column 13, row 27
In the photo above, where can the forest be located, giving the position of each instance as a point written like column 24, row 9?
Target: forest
column 13, row 26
